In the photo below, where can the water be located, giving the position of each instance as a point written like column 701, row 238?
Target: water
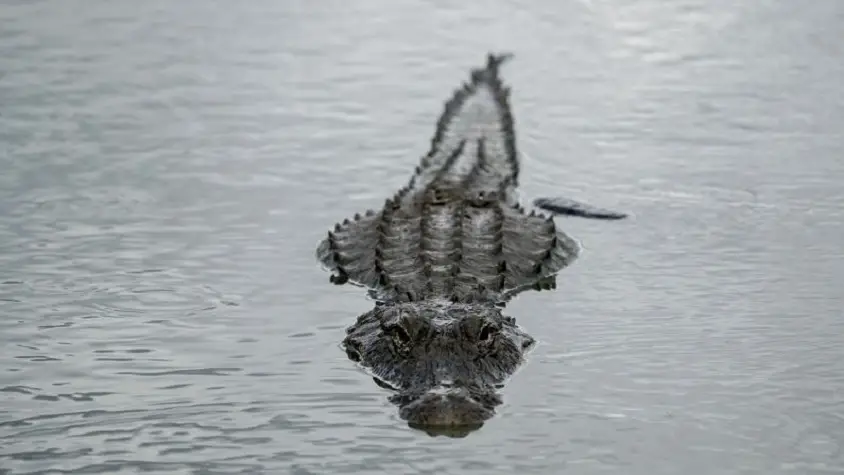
column 167, row 168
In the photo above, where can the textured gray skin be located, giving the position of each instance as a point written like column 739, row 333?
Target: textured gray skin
column 442, row 257
column 455, row 231
column 444, row 359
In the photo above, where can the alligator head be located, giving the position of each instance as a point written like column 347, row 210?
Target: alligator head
column 444, row 360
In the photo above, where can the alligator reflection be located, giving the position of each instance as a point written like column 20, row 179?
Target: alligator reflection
column 443, row 257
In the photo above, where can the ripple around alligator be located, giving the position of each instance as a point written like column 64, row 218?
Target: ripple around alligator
column 165, row 173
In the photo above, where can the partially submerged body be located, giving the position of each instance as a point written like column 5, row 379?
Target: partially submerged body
column 443, row 257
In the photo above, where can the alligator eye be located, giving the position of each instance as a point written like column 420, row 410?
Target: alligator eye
column 487, row 332
column 400, row 336
column 353, row 350
column 353, row 355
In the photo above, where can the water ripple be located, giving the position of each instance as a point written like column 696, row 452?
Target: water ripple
column 167, row 172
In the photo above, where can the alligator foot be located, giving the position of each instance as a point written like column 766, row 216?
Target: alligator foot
column 570, row 207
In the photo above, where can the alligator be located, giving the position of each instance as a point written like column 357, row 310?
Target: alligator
column 442, row 258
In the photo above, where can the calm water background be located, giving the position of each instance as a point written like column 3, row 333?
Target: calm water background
column 166, row 169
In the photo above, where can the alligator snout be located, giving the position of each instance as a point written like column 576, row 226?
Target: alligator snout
column 449, row 406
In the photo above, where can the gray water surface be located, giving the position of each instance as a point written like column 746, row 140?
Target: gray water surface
column 167, row 168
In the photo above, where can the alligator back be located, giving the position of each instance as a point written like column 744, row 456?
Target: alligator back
column 455, row 231
column 437, row 245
